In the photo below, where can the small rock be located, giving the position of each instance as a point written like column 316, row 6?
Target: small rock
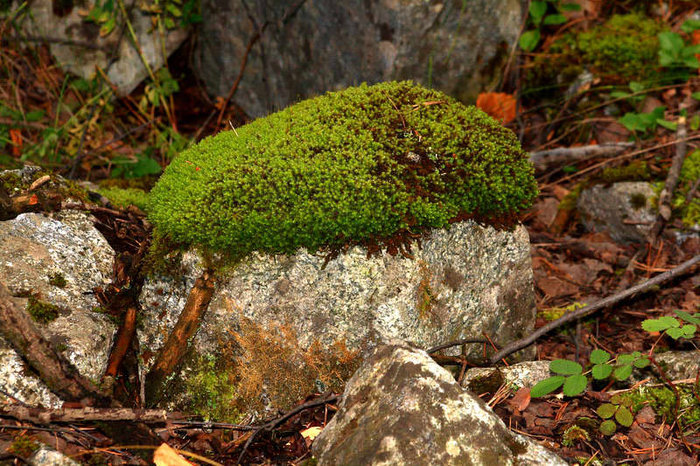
column 401, row 408
column 623, row 209
column 46, row 456
column 523, row 374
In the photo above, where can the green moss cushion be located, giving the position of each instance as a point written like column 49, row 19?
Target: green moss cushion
column 357, row 165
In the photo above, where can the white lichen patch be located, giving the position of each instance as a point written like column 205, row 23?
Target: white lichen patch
column 18, row 381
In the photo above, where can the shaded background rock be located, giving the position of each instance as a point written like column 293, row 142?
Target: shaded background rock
column 463, row 281
column 57, row 260
column 313, row 46
column 62, row 21
column 624, row 210
column 523, row 374
column 402, row 408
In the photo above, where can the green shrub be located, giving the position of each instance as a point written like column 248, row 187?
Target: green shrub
column 357, row 165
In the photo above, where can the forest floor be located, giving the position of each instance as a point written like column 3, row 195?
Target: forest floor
column 71, row 126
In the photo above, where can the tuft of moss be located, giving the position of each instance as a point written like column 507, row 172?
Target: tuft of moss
column 622, row 49
column 58, row 280
column 359, row 165
column 41, row 311
column 23, row 446
column 663, row 401
column 635, row 171
column 124, row 197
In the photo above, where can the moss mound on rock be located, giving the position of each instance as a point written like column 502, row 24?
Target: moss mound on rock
column 359, row 165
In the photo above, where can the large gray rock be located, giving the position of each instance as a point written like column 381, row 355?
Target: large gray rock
column 401, row 408
column 463, row 282
column 64, row 22
column 35, row 250
column 453, row 45
column 624, row 210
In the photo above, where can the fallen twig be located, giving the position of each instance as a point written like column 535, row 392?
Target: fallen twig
column 590, row 309
column 176, row 346
column 461, row 342
column 546, row 158
column 57, row 372
column 674, row 173
column 44, row 416
column 270, row 425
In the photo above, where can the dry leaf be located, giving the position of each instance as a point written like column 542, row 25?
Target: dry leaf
column 16, row 138
column 166, row 456
column 499, row 105
column 311, row 432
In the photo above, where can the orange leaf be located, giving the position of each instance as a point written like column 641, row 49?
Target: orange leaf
column 16, row 137
column 33, row 200
column 166, row 456
column 499, row 105
column 696, row 41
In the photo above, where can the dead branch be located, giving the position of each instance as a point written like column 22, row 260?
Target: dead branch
column 44, row 416
column 176, row 346
column 597, row 306
column 671, row 180
column 124, row 337
column 57, row 372
column 546, row 158
column 270, row 425
column 461, row 342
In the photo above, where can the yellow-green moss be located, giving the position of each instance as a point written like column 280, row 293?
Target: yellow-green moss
column 41, row 311
column 211, row 392
column 635, row 171
column 23, row 446
column 663, row 401
column 124, row 197
column 622, row 49
column 357, row 165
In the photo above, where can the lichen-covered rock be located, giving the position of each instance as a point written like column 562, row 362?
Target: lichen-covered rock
column 401, row 408
column 361, row 165
column 679, row 364
column 523, row 374
column 47, row 456
column 64, row 22
column 624, row 210
column 462, row 282
column 457, row 47
column 18, row 380
column 52, row 263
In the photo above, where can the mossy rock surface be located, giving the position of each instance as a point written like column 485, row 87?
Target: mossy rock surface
column 354, row 166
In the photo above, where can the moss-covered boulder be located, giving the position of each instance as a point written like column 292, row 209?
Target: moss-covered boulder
column 355, row 166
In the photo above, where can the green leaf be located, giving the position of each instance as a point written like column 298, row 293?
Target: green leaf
column 672, row 125
column 623, row 372
column 695, row 95
column 693, row 319
column 674, row 333
column 623, row 416
column 565, row 367
column 666, row 59
column 694, row 122
column 537, row 10
column 555, row 19
column 671, row 42
column 689, row 331
column 690, row 25
column 624, row 95
column 529, row 40
column 636, row 86
column 608, row 427
column 606, row 410
column 626, row 359
column 575, row 385
column 598, row 356
column 660, row 324
column 601, row 371
column 641, row 363
column 570, row 7
column 35, row 115
column 547, row 386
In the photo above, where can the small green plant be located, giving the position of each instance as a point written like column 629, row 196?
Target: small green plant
column 573, row 381
column 573, row 435
column 643, row 123
column 544, row 13
column 618, row 409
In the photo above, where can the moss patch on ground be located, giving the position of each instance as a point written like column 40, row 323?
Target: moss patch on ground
column 623, row 49
column 355, row 166
column 124, row 197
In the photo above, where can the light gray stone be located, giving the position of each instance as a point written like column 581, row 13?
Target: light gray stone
column 46, row 456
column 462, row 282
column 32, row 248
column 523, row 374
column 615, row 209
column 128, row 70
column 401, row 408
column 679, row 365
column 456, row 46
column 19, row 381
